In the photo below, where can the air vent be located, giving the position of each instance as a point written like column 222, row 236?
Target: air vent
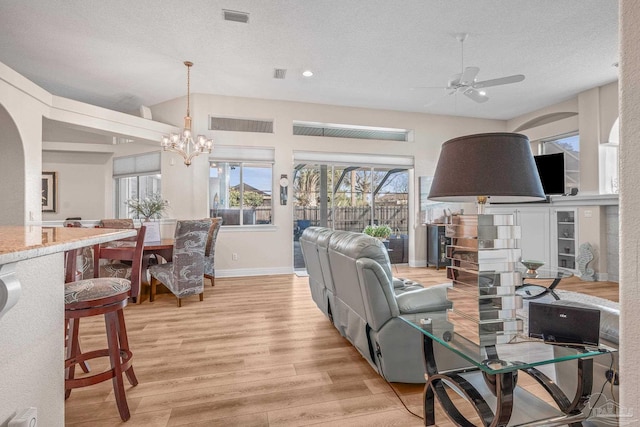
column 349, row 131
column 235, row 16
column 279, row 73
column 240, row 125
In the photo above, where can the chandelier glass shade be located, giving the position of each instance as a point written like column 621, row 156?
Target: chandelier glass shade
column 183, row 143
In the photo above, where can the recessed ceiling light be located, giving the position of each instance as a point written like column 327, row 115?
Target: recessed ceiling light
column 307, row 73
column 483, row 93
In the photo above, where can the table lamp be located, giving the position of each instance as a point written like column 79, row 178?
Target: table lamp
column 484, row 248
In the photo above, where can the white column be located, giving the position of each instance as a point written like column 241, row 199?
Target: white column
column 629, row 204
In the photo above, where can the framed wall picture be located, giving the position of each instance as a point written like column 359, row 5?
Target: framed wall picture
column 49, row 191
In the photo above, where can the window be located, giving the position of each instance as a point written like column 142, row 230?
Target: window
column 241, row 192
column 570, row 146
column 135, row 177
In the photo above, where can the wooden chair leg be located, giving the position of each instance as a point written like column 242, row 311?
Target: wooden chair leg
column 202, row 296
column 213, row 281
column 152, row 291
column 111, row 320
column 124, row 345
column 179, row 302
column 84, row 365
column 72, row 352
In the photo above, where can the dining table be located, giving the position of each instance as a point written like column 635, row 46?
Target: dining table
column 155, row 252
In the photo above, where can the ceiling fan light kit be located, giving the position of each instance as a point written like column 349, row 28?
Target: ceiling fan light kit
column 466, row 82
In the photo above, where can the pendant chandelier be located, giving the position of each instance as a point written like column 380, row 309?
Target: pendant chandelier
column 183, row 143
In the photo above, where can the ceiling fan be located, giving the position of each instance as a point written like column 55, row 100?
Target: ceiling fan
column 465, row 82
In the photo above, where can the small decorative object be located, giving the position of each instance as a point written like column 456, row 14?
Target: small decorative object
column 382, row 232
column 151, row 207
column 566, row 234
column 585, row 256
column 532, row 266
column 567, row 250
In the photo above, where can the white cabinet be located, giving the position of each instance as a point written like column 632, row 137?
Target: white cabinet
column 565, row 235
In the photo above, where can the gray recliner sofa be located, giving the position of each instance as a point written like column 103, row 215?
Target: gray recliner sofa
column 351, row 282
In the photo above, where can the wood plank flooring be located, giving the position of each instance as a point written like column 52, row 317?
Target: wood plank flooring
column 256, row 352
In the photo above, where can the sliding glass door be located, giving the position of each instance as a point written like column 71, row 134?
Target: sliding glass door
column 348, row 198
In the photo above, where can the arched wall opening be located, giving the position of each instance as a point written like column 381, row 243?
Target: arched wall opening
column 12, row 187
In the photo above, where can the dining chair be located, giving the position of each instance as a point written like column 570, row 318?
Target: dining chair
column 123, row 262
column 184, row 275
column 102, row 296
column 116, row 223
column 210, row 250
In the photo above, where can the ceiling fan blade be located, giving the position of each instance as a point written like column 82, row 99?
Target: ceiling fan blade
column 468, row 75
column 476, row 95
column 427, row 87
column 500, row 81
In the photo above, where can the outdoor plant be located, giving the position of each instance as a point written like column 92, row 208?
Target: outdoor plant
column 150, row 207
column 382, row 231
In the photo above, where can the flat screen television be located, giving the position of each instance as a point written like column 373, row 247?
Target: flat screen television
column 551, row 171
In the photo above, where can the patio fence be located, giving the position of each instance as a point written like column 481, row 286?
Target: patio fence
column 340, row 218
column 357, row 218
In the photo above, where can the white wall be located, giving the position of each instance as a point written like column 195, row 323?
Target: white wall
column 81, row 184
column 271, row 250
column 629, row 205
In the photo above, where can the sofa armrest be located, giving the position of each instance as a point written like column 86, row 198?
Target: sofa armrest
column 433, row 298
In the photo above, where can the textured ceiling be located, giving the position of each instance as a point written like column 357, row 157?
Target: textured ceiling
column 121, row 54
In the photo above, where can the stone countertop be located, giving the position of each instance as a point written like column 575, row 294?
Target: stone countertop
column 19, row 243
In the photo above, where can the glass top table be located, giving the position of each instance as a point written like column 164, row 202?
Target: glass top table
column 534, row 290
column 521, row 352
column 491, row 375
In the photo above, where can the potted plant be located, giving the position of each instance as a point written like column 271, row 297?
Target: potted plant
column 382, row 231
column 151, row 207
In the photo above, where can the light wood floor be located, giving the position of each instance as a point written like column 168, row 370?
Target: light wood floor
column 256, row 352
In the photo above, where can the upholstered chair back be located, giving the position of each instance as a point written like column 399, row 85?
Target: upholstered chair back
column 210, row 249
column 309, row 247
column 364, row 291
column 188, row 256
column 116, row 223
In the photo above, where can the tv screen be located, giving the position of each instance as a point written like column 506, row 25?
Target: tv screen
column 551, row 171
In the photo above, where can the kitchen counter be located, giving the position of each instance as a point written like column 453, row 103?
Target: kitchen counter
column 20, row 243
column 32, row 316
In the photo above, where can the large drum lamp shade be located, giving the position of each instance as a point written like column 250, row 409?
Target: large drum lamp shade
column 497, row 166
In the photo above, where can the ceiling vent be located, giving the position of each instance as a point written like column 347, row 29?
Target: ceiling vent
column 240, row 125
column 279, row 73
column 350, row 131
column 235, row 16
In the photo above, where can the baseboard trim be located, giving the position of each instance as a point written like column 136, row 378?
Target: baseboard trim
column 239, row 272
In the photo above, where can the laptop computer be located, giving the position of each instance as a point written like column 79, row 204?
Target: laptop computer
column 564, row 324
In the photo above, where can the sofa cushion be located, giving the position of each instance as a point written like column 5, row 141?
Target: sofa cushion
column 433, row 298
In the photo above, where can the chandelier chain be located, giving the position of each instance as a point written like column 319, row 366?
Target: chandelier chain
column 188, row 64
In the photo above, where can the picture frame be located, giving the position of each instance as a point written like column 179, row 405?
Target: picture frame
column 49, row 191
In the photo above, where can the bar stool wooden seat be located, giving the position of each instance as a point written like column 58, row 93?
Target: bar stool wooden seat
column 94, row 297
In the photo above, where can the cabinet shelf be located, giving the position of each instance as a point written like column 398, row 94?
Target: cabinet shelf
column 566, row 238
column 566, row 223
column 569, row 255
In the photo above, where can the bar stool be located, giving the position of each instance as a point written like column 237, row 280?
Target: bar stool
column 93, row 297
